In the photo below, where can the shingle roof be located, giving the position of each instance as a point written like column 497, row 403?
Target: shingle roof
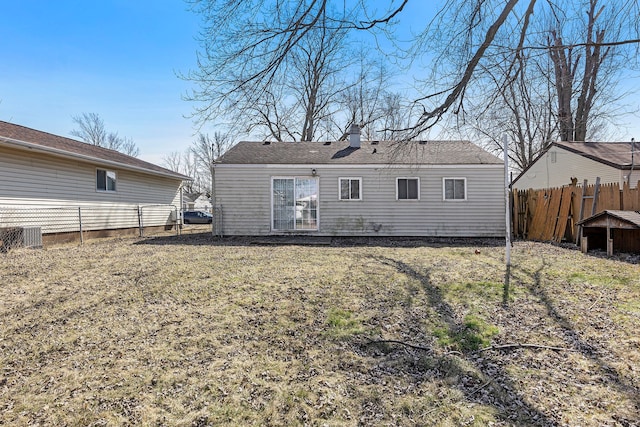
column 23, row 137
column 632, row 217
column 374, row 153
column 615, row 154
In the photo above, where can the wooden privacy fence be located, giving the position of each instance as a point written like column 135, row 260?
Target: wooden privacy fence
column 551, row 214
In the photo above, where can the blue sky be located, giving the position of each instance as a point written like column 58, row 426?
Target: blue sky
column 117, row 58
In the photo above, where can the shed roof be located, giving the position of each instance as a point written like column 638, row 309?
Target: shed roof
column 630, row 217
column 25, row 138
column 369, row 153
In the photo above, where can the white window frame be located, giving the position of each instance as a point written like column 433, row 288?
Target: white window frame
column 444, row 191
column 106, row 180
column 295, row 229
column 398, row 193
column 350, row 178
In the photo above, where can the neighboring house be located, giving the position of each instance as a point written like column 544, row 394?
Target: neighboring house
column 44, row 177
column 563, row 162
column 196, row 202
column 354, row 188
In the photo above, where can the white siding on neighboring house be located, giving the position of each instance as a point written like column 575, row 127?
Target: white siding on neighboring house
column 634, row 178
column 244, row 192
column 36, row 180
column 557, row 166
column 202, row 203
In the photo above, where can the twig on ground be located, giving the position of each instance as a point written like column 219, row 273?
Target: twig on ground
column 492, row 347
column 416, row 347
column 519, row 345
column 477, row 389
column 595, row 302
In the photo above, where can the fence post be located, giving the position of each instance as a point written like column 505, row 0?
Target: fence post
column 80, row 222
column 140, row 221
column 596, row 193
column 214, row 218
column 177, row 220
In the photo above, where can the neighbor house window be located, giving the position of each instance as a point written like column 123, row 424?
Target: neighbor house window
column 408, row 189
column 454, row 188
column 105, row 180
column 294, row 203
column 350, row 188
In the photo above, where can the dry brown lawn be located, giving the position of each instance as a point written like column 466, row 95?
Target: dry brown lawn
column 196, row 331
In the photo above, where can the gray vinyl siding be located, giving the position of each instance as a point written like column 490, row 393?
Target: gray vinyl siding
column 38, row 182
column 244, row 194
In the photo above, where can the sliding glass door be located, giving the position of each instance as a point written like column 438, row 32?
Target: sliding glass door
column 294, row 204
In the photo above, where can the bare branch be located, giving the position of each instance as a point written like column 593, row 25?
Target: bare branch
column 92, row 131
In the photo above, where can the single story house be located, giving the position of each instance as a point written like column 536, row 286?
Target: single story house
column 360, row 188
column 562, row 162
column 61, row 185
column 196, row 202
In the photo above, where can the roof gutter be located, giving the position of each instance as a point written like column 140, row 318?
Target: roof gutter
column 360, row 165
column 62, row 153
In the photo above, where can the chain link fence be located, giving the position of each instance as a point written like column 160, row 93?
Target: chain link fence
column 31, row 226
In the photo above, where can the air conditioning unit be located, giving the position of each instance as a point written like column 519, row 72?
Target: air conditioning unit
column 32, row 237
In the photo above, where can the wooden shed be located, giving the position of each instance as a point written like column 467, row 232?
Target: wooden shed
column 612, row 230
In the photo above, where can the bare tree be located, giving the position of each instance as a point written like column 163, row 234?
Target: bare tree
column 565, row 92
column 524, row 110
column 317, row 64
column 186, row 164
column 297, row 100
column 206, row 150
column 363, row 102
column 469, row 34
column 582, row 69
column 92, row 131
column 197, row 160
column 306, row 86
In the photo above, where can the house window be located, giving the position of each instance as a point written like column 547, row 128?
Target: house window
column 454, row 188
column 408, row 189
column 105, row 180
column 294, row 204
column 350, row 188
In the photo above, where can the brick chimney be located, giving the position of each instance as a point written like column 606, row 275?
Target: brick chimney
column 354, row 136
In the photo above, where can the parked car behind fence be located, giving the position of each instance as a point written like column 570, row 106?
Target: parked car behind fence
column 197, row 217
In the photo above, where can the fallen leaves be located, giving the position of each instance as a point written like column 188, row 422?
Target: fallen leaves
column 196, row 331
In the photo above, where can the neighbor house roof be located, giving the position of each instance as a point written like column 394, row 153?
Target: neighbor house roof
column 25, row 138
column 615, row 154
column 369, row 153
